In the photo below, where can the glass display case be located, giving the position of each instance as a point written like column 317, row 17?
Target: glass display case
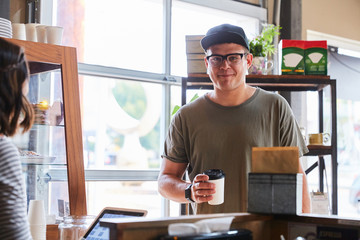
column 43, row 149
column 52, row 152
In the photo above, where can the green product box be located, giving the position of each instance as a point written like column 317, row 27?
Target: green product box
column 291, row 54
column 315, row 58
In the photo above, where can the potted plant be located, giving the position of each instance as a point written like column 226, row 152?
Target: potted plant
column 262, row 47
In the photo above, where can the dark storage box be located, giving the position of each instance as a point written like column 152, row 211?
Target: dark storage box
column 275, row 193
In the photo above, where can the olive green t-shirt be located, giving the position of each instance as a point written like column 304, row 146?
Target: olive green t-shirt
column 207, row 135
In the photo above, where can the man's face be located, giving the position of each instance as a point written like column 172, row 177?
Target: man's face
column 228, row 75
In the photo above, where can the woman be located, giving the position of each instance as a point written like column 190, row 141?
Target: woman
column 15, row 113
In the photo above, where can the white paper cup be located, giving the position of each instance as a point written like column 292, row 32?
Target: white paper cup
column 217, row 176
column 38, row 232
column 54, row 34
column 41, row 33
column 18, row 30
column 30, row 29
column 36, row 214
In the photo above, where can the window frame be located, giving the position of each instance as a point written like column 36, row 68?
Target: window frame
column 166, row 80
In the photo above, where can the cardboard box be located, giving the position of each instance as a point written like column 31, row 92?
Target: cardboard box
column 315, row 57
column 195, row 55
column 196, row 63
column 275, row 193
column 275, row 160
column 291, row 55
column 193, row 44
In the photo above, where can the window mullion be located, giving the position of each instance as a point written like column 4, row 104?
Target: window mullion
column 167, row 37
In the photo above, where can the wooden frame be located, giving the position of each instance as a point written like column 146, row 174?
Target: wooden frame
column 45, row 57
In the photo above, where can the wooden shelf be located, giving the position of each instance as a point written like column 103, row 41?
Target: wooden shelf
column 292, row 83
column 270, row 82
column 299, row 77
column 39, row 67
column 316, row 150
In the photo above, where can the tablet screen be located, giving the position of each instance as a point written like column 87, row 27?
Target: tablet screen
column 97, row 232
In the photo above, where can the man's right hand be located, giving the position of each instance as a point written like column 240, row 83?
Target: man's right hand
column 172, row 186
column 202, row 190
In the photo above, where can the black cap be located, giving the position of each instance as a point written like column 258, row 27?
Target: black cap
column 225, row 33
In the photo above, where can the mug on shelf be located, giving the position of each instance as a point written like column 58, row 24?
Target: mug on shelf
column 261, row 66
column 319, row 138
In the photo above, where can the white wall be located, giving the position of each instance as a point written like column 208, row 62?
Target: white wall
column 336, row 17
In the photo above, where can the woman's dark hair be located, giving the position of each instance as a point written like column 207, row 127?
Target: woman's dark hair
column 15, row 109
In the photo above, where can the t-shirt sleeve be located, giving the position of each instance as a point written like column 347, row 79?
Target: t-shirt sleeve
column 290, row 132
column 174, row 147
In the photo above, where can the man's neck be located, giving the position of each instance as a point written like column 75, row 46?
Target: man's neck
column 233, row 97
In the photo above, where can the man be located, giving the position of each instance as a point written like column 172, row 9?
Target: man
column 219, row 129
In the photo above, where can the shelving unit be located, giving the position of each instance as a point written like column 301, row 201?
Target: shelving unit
column 61, row 62
column 293, row 83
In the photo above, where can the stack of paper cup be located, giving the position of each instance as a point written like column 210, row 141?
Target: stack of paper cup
column 54, row 34
column 37, row 219
column 19, row 31
column 30, row 29
column 41, row 33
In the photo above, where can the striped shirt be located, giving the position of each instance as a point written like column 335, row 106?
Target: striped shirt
column 13, row 217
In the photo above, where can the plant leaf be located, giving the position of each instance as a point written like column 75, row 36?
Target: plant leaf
column 176, row 108
column 262, row 45
column 194, row 97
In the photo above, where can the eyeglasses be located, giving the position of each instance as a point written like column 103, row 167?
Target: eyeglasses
column 216, row 60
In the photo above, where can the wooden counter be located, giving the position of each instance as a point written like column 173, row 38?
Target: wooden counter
column 263, row 226
column 148, row 228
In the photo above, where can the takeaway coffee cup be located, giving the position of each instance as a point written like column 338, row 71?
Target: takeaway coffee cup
column 217, row 176
column 319, row 138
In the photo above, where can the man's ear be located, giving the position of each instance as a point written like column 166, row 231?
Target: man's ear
column 249, row 59
column 206, row 65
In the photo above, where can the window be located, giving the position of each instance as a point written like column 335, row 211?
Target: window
column 131, row 58
column 345, row 70
column 197, row 21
